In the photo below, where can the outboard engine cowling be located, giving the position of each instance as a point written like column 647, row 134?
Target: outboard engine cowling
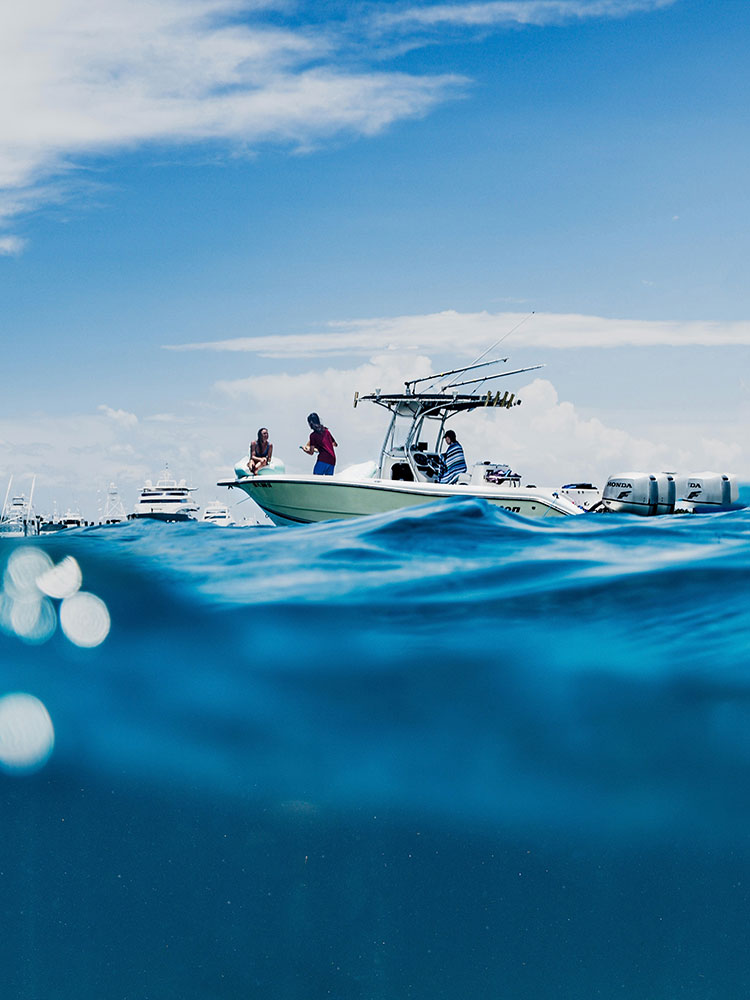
column 631, row 493
column 666, row 492
column 702, row 492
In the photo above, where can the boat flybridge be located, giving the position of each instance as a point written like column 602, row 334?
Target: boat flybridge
column 167, row 501
column 409, row 468
column 17, row 517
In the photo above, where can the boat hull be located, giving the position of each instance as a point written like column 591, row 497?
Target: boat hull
column 310, row 499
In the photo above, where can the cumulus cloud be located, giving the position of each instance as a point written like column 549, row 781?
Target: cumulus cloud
column 547, row 439
column 73, row 458
column 468, row 334
column 121, row 417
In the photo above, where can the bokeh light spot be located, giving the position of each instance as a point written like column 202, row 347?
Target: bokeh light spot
column 22, row 570
column 27, row 735
column 62, row 580
column 33, row 621
column 84, row 619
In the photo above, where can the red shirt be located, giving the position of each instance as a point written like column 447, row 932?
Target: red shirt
column 324, row 443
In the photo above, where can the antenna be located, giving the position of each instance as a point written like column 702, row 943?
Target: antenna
column 504, row 337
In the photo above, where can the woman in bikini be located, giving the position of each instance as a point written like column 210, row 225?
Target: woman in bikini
column 261, row 451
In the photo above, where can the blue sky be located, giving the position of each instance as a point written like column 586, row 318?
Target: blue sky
column 216, row 215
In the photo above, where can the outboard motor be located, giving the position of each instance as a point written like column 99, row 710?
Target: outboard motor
column 666, row 489
column 640, row 493
column 666, row 493
column 703, row 492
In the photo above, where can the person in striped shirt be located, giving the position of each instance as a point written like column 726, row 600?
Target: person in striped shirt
column 453, row 462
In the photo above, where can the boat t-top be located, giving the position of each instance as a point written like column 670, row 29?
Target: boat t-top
column 17, row 517
column 169, row 500
column 408, row 470
column 114, row 511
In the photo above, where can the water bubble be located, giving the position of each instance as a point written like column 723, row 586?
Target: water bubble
column 33, row 621
column 84, row 619
column 22, row 570
column 26, row 732
column 6, row 610
column 62, row 580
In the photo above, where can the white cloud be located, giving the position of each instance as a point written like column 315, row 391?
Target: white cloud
column 468, row 334
column 121, row 417
column 88, row 81
column 166, row 418
column 94, row 81
column 75, row 456
column 548, row 439
column 493, row 13
column 11, row 246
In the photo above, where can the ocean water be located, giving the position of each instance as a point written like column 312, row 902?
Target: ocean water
column 445, row 753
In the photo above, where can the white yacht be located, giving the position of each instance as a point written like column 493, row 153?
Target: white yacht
column 408, row 470
column 58, row 522
column 169, row 500
column 18, row 518
column 217, row 512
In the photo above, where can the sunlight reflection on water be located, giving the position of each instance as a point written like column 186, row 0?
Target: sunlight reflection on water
column 26, row 732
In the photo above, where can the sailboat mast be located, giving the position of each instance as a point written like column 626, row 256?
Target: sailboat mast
column 7, row 494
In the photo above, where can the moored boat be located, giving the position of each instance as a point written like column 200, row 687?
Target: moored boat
column 17, row 518
column 409, row 471
column 59, row 522
column 217, row 512
column 169, row 500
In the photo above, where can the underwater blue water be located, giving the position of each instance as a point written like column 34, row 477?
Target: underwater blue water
column 442, row 753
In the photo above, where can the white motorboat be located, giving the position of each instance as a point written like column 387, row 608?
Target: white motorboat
column 169, row 500
column 59, row 522
column 51, row 523
column 408, row 470
column 217, row 512
column 17, row 518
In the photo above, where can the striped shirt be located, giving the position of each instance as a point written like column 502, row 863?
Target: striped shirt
column 454, row 463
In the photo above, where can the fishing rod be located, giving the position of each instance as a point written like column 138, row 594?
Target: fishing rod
column 486, row 378
column 455, row 371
